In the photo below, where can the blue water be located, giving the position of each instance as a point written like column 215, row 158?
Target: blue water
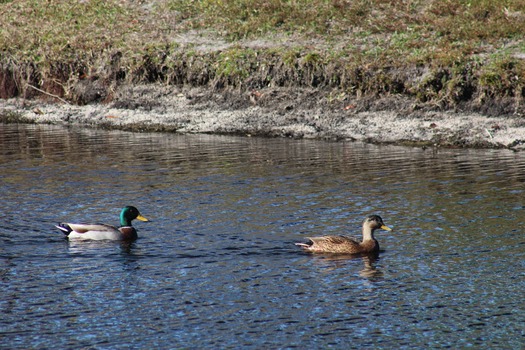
column 217, row 268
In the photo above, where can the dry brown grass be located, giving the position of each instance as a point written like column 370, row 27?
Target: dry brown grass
column 441, row 51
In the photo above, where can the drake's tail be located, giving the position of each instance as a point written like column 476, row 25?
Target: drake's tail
column 64, row 228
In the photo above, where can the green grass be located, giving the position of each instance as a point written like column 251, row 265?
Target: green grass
column 41, row 30
column 360, row 45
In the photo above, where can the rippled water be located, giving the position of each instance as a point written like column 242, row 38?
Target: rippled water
column 217, row 267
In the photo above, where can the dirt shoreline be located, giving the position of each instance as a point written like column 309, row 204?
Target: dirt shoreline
column 274, row 113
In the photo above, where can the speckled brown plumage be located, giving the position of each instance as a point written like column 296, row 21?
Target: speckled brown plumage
column 347, row 245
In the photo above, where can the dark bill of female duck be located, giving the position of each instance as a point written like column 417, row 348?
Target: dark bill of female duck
column 125, row 232
column 347, row 245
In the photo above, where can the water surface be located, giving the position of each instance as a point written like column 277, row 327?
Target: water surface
column 217, row 267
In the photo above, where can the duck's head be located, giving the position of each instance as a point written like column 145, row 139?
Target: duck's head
column 130, row 213
column 375, row 222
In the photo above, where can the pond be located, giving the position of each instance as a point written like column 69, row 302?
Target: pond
column 217, row 266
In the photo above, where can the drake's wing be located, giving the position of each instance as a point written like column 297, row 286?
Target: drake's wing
column 84, row 228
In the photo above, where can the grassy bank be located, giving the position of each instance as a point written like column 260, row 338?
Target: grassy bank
column 440, row 54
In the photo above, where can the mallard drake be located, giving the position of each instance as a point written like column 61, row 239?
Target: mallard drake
column 125, row 232
column 347, row 245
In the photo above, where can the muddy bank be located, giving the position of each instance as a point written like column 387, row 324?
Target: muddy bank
column 432, row 73
column 283, row 112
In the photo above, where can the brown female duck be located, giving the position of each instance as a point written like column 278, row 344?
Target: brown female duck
column 347, row 245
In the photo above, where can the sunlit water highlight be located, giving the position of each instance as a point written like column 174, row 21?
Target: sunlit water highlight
column 217, row 267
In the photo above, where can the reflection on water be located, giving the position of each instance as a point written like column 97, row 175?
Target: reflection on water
column 217, row 267
column 369, row 269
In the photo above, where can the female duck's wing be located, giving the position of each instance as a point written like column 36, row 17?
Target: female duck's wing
column 333, row 240
column 331, row 244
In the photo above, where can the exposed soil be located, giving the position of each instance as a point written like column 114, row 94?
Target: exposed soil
column 274, row 112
